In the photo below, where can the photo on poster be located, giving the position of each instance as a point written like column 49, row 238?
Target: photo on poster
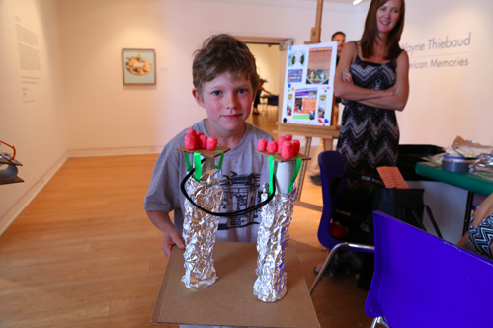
column 297, row 58
column 319, row 64
column 321, row 106
column 290, row 105
column 295, row 75
column 305, row 103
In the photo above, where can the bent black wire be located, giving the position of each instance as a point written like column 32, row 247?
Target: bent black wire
column 240, row 212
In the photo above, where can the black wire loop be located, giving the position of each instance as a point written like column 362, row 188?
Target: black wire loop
column 240, row 212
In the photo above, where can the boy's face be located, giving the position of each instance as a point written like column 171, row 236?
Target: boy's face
column 228, row 103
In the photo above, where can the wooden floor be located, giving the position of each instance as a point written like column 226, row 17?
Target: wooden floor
column 84, row 254
column 267, row 120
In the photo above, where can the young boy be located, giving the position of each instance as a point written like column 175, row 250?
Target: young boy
column 225, row 79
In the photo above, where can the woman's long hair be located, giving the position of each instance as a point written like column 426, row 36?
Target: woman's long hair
column 371, row 30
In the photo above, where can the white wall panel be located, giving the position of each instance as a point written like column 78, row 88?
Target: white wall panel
column 33, row 120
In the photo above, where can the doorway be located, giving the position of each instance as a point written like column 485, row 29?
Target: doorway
column 270, row 55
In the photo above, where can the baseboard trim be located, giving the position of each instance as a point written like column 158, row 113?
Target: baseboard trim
column 16, row 209
column 94, row 152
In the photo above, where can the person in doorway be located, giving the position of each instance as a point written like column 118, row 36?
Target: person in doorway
column 314, row 171
column 372, row 79
column 340, row 37
column 257, row 96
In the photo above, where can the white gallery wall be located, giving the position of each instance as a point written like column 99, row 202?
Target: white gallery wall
column 104, row 116
column 450, row 85
column 82, row 108
column 32, row 112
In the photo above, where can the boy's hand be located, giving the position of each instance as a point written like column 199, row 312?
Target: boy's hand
column 172, row 237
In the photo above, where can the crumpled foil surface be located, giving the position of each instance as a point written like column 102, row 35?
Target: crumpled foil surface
column 470, row 148
column 483, row 167
column 271, row 284
column 199, row 229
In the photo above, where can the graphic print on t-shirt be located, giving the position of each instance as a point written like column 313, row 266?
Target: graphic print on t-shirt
column 240, row 192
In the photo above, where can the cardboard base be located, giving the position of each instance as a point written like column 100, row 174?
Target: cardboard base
column 205, row 152
column 281, row 159
column 230, row 301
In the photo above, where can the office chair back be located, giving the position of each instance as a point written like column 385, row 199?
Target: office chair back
column 423, row 281
column 331, row 166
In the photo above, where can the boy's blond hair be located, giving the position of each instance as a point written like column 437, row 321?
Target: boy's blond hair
column 223, row 53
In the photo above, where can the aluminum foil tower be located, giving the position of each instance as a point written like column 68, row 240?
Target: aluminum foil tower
column 271, row 284
column 199, row 229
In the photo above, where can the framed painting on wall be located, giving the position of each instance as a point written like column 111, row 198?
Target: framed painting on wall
column 139, row 66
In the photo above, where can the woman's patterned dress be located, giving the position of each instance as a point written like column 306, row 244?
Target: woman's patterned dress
column 369, row 136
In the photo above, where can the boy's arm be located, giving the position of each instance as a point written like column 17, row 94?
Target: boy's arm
column 171, row 235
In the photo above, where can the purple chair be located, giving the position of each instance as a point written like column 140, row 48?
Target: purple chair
column 331, row 167
column 423, row 281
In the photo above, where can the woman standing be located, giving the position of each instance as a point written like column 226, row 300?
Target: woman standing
column 372, row 80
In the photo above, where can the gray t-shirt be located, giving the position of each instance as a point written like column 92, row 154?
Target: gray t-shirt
column 244, row 172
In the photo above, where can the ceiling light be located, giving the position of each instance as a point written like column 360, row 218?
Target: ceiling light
column 355, row 2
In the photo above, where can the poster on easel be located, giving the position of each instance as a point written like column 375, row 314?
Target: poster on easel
column 309, row 85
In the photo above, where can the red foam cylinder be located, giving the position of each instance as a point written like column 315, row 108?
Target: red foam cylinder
column 202, row 141
column 287, row 149
column 272, row 147
column 296, row 147
column 190, row 142
column 288, row 137
column 192, row 132
column 262, row 145
column 211, row 143
column 280, row 141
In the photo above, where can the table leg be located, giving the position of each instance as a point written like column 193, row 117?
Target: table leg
column 467, row 215
column 327, row 143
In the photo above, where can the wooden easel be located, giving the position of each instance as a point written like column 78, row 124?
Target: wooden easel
column 326, row 133
column 316, row 31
